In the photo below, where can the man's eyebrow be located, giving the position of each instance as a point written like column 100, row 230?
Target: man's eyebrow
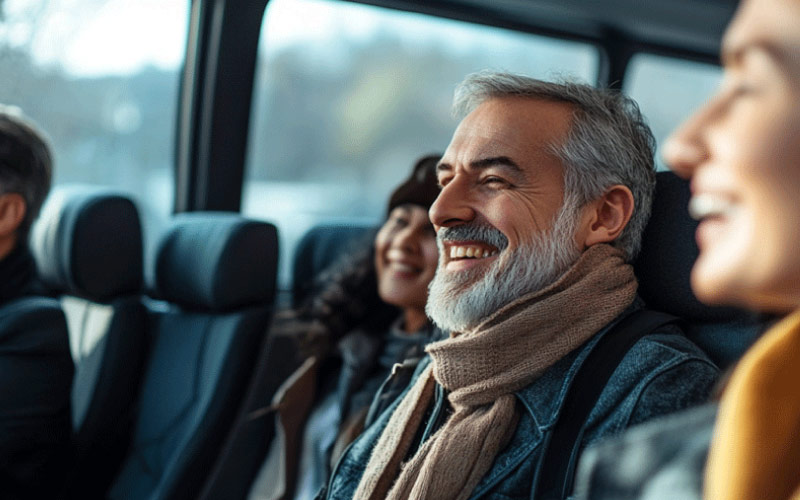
column 496, row 161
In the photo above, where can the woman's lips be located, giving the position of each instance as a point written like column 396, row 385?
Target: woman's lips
column 705, row 205
column 715, row 211
column 403, row 267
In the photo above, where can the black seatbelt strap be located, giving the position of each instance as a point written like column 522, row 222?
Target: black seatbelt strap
column 559, row 460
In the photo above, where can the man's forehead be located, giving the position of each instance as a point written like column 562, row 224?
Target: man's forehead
column 516, row 128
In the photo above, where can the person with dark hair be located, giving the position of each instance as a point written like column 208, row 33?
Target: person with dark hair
column 25, row 172
column 35, row 364
column 545, row 191
column 366, row 315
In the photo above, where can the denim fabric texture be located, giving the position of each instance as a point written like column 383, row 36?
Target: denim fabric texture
column 661, row 460
column 662, row 373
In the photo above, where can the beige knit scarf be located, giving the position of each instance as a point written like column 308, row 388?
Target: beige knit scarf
column 482, row 369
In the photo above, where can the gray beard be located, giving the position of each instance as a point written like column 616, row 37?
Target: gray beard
column 460, row 301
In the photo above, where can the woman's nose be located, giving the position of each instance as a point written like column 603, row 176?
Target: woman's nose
column 685, row 149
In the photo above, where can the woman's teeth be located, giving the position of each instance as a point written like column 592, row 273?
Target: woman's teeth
column 708, row 205
column 471, row 252
column 399, row 266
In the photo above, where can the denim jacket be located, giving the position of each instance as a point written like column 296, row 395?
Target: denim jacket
column 663, row 372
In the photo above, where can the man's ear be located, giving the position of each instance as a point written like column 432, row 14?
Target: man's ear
column 607, row 217
column 12, row 212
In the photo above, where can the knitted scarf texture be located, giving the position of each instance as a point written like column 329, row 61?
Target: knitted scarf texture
column 482, row 369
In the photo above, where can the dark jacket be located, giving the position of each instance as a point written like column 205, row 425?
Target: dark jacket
column 35, row 383
column 322, row 407
column 662, row 460
column 663, row 372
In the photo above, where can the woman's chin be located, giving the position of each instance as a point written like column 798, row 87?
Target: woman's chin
column 709, row 285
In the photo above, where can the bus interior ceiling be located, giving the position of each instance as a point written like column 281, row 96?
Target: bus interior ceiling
column 691, row 28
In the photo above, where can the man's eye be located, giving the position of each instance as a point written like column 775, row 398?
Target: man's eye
column 494, row 181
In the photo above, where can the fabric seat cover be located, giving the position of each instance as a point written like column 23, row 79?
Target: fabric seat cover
column 215, row 281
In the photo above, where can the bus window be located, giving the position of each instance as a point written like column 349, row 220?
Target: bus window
column 348, row 96
column 101, row 77
column 668, row 90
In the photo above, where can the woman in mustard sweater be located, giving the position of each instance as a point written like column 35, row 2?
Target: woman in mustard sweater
column 741, row 152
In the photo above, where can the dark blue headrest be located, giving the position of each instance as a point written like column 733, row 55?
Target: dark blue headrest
column 217, row 261
column 668, row 253
column 88, row 242
column 319, row 248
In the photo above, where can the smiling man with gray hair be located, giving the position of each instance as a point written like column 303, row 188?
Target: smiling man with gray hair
column 545, row 192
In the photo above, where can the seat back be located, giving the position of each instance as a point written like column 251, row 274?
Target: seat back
column 319, row 248
column 247, row 445
column 663, row 268
column 88, row 246
column 215, row 281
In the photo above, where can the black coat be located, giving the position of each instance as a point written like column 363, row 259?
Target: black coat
column 35, row 382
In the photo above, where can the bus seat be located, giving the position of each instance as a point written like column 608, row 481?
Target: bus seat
column 215, row 281
column 248, row 442
column 247, row 445
column 663, row 268
column 88, row 247
column 318, row 249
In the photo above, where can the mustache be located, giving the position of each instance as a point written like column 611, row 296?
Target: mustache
column 483, row 233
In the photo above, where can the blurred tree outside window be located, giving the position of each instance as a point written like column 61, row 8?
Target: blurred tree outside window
column 101, row 77
column 348, row 96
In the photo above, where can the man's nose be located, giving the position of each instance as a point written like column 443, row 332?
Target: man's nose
column 453, row 206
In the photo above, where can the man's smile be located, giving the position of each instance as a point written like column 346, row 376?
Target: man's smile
column 471, row 251
column 461, row 255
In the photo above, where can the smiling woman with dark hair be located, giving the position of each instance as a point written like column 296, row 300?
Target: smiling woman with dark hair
column 367, row 314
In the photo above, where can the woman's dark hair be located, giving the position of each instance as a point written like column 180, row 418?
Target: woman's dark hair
column 345, row 295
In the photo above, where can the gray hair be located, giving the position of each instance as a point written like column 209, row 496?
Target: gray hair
column 25, row 163
column 609, row 142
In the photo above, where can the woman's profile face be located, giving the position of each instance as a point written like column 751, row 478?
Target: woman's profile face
column 406, row 257
column 742, row 154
